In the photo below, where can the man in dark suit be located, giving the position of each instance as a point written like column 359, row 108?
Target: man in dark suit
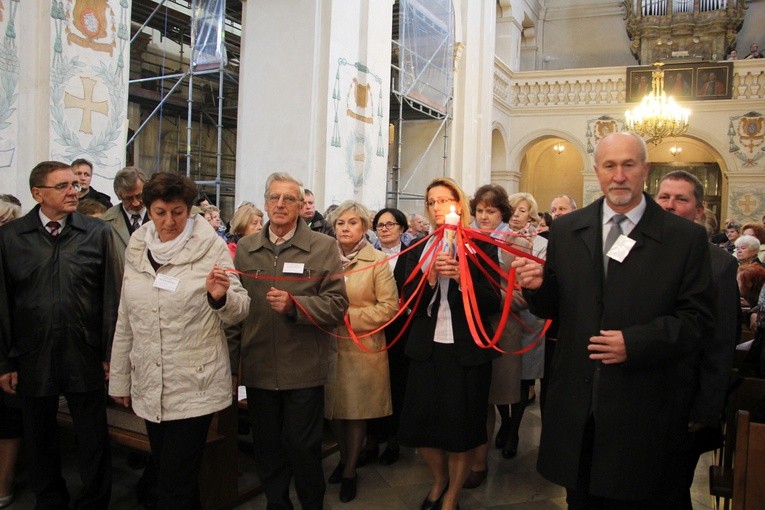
column 83, row 169
column 629, row 285
column 58, row 308
column 127, row 216
column 682, row 194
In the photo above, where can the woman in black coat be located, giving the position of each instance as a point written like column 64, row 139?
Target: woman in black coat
column 445, row 405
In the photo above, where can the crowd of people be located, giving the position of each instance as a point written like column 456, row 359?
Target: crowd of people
column 628, row 311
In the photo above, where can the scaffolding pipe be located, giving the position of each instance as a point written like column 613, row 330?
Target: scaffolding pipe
column 189, row 108
column 160, row 4
column 425, row 152
column 218, row 155
column 161, row 102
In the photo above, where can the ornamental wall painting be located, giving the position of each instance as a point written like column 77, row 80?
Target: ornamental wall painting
column 746, row 137
column 359, row 113
column 88, row 82
column 9, row 81
column 746, row 203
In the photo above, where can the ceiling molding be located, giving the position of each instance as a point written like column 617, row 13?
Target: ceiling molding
column 590, row 10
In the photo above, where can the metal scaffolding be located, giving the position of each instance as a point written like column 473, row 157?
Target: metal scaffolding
column 421, row 79
column 200, row 29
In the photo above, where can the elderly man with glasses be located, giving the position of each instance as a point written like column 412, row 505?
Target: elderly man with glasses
column 296, row 296
column 58, row 309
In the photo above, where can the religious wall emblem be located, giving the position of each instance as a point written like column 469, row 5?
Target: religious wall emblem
column 90, row 27
column 599, row 128
column 746, row 137
column 357, row 125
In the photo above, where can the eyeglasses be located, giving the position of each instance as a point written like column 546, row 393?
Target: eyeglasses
column 386, row 226
column 128, row 199
column 287, row 199
column 440, row 201
column 64, row 186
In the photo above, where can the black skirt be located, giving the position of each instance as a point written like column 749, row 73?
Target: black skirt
column 445, row 405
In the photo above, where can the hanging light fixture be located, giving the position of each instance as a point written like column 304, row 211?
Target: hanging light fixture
column 675, row 150
column 657, row 116
column 558, row 148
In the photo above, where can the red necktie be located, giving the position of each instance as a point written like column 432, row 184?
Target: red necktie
column 54, row 226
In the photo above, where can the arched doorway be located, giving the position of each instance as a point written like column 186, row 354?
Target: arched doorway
column 552, row 166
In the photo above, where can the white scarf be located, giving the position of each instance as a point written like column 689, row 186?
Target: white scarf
column 163, row 252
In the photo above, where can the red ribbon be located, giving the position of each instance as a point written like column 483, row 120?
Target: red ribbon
column 467, row 251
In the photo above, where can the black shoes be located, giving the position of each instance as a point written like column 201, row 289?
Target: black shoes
column 348, row 489
column 337, row 475
column 511, row 447
column 433, row 505
column 389, row 455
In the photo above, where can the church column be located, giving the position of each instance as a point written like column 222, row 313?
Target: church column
column 315, row 105
column 470, row 135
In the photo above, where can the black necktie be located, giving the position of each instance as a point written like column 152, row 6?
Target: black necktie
column 136, row 221
column 613, row 235
column 54, row 227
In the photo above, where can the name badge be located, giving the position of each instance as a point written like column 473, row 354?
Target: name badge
column 166, row 282
column 293, row 268
column 621, row 248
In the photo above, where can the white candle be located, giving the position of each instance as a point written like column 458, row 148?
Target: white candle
column 450, row 230
column 452, row 218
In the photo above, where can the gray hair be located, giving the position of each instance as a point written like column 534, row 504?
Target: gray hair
column 127, row 179
column 285, row 177
column 749, row 241
column 357, row 207
column 642, row 146
column 8, row 211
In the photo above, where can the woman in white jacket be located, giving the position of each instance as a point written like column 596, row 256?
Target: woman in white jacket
column 169, row 356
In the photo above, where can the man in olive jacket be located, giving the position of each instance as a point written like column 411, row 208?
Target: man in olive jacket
column 628, row 318
column 58, row 308
column 284, row 353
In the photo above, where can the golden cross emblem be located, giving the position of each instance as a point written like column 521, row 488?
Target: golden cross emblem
column 747, row 204
column 86, row 104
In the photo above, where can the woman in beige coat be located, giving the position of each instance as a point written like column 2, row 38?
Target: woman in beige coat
column 169, row 355
column 358, row 387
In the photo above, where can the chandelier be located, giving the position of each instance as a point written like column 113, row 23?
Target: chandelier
column 657, row 116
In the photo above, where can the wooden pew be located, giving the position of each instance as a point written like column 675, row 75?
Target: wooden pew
column 745, row 396
column 219, row 472
column 749, row 465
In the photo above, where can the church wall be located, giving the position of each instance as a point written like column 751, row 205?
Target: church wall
column 591, row 35
column 63, row 89
column 752, row 30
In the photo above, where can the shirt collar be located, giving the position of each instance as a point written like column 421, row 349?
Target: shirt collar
column 130, row 215
column 633, row 214
column 273, row 237
column 45, row 220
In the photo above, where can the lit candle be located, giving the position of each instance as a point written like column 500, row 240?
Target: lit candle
column 450, row 230
column 452, row 218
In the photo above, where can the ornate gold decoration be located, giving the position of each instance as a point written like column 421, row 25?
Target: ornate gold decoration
column 657, row 116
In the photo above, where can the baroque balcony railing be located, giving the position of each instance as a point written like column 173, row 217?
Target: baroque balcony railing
column 597, row 86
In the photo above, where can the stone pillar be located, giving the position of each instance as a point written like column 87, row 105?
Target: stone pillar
column 63, row 88
column 315, row 105
column 470, row 135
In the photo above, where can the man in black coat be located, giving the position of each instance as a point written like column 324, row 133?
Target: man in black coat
column 627, row 316
column 58, row 307
column 708, row 373
column 83, row 169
